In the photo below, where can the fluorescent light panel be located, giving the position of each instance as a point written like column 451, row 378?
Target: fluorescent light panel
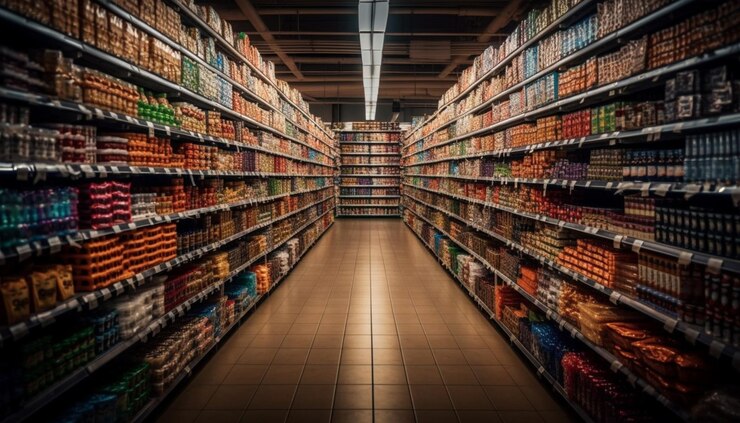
column 372, row 20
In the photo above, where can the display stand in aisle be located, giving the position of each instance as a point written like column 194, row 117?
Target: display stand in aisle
column 369, row 171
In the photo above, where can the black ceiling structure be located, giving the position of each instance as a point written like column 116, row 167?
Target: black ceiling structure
column 316, row 48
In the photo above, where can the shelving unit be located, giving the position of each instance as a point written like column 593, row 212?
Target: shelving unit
column 375, row 150
column 230, row 202
column 490, row 180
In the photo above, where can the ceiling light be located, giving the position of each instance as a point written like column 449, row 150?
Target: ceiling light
column 372, row 21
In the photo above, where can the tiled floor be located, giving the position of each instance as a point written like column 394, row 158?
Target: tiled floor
column 368, row 327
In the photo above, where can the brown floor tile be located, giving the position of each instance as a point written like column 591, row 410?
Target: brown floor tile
column 283, row 374
column 258, row 356
column 417, row 356
column 387, row 356
column 320, row 374
column 423, row 375
column 309, row 416
column 389, row 375
column 385, row 341
column 509, row 398
column 327, row 341
column 357, row 341
column 430, row 397
column 469, row 397
column 353, row 397
column 480, row 357
column 457, row 375
column 313, row 397
column 442, row 341
column 225, row 416
column 303, row 329
column 464, row 329
column 410, row 329
column 413, row 341
column 436, row 416
column 520, row 417
column 468, row 341
column 231, row 397
column 394, row 416
column 540, row 398
column 264, row 416
column 449, row 356
column 212, row 374
column 272, row 397
column 291, row 356
column 478, row 416
column 297, row 341
column 492, row 375
column 331, row 328
column 392, row 397
column 274, row 328
column 246, row 374
column 323, row 356
column 556, row 416
column 357, row 356
column 384, row 328
column 355, row 374
column 267, row 341
column 194, row 397
column 352, row 416
column 359, row 329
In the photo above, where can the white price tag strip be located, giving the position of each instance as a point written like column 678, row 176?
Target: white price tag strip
column 691, row 335
column 684, row 258
column 618, row 241
column 670, row 325
column 645, row 189
column 55, row 243
column 637, row 245
column 24, row 251
column 616, row 365
column 614, row 297
column 19, row 331
column 714, row 266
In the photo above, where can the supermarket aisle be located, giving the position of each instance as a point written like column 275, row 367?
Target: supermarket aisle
column 367, row 321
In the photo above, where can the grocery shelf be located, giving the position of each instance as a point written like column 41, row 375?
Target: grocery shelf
column 39, row 171
column 370, row 142
column 647, row 187
column 367, row 186
column 635, row 83
column 383, row 206
column 235, row 54
column 353, row 175
column 368, row 215
column 370, row 154
column 369, row 196
column 91, row 112
column 648, row 134
column 370, row 164
column 692, row 333
column 566, row 327
column 613, row 39
column 145, row 412
column 712, row 262
column 91, row 300
column 368, row 131
column 136, row 74
column 513, row 339
column 53, row 244
column 152, row 329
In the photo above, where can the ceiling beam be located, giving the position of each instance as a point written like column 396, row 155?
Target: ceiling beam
column 251, row 13
column 392, row 34
column 358, row 78
column 329, row 60
column 450, row 11
column 500, row 21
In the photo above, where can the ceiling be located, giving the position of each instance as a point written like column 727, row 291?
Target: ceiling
column 315, row 44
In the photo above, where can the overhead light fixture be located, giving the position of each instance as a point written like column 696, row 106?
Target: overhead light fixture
column 372, row 19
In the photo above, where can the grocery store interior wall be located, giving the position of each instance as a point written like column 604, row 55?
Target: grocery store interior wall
column 356, row 112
